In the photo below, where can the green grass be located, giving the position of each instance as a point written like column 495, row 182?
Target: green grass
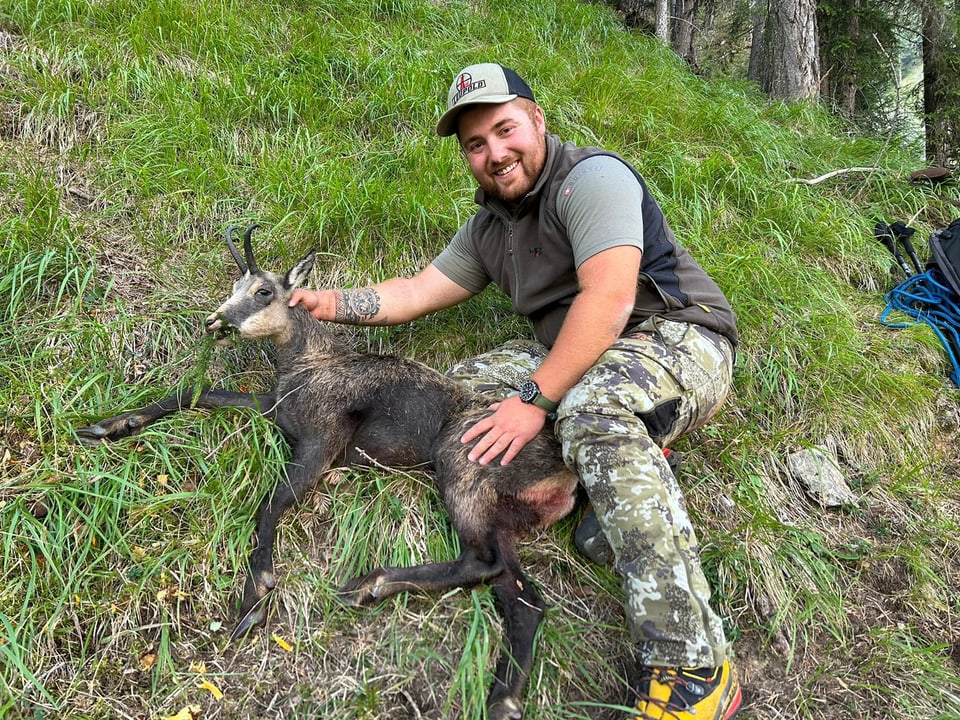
column 132, row 134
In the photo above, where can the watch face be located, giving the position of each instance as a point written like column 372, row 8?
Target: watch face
column 529, row 391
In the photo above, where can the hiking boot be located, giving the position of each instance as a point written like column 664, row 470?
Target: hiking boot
column 589, row 538
column 688, row 693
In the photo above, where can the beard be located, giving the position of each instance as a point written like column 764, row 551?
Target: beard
column 521, row 180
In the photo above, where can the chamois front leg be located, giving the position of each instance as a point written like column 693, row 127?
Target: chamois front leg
column 466, row 571
column 300, row 474
column 132, row 422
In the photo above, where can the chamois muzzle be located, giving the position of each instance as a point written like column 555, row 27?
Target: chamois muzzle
column 218, row 326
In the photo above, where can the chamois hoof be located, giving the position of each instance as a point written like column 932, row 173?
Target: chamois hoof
column 114, row 428
column 254, row 618
column 505, row 709
column 364, row 591
column 253, row 608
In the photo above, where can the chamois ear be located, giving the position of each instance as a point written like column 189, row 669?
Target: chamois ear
column 299, row 273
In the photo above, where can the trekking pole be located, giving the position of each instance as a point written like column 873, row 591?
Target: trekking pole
column 884, row 236
column 903, row 233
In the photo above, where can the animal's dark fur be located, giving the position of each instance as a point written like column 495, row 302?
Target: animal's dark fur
column 338, row 407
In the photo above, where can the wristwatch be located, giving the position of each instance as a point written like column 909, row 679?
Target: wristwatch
column 530, row 394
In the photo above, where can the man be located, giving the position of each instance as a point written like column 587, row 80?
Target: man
column 634, row 348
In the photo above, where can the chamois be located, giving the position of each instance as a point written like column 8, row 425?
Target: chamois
column 337, row 407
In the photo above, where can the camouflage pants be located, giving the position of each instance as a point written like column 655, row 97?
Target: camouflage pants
column 643, row 393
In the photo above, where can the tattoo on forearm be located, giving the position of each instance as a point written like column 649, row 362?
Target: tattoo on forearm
column 357, row 306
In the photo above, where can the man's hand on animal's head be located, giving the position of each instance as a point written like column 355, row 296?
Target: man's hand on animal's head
column 511, row 425
column 310, row 300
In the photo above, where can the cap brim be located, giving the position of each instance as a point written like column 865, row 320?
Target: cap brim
column 448, row 122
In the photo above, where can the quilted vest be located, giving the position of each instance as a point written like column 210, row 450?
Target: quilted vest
column 526, row 252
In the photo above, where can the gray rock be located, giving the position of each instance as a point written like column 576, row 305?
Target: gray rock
column 816, row 470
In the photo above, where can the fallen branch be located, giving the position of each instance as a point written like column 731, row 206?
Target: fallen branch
column 818, row 180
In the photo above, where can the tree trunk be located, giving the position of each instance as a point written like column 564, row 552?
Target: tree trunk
column 684, row 30
column 939, row 129
column 795, row 51
column 760, row 45
column 662, row 10
column 847, row 85
column 840, row 54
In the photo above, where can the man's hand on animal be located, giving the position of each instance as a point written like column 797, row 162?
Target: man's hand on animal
column 309, row 299
column 510, row 425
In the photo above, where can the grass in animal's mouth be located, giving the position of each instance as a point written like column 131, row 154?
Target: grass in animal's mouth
column 226, row 334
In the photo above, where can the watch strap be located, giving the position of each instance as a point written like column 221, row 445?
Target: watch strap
column 545, row 403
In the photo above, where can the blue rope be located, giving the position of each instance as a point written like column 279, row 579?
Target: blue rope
column 928, row 299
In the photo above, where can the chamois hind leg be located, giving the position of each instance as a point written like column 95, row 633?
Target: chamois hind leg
column 132, row 422
column 520, row 605
column 471, row 568
column 301, row 473
column 521, row 608
column 477, row 562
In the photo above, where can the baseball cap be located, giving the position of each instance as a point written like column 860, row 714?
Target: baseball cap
column 488, row 83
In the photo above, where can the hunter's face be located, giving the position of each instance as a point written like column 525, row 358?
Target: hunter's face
column 506, row 147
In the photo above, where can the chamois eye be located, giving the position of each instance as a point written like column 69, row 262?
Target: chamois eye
column 264, row 292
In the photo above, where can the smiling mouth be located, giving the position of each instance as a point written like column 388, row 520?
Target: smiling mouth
column 509, row 168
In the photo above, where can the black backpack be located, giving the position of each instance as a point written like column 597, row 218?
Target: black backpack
column 945, row 254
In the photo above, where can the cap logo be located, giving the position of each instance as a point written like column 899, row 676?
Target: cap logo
column 465, row 84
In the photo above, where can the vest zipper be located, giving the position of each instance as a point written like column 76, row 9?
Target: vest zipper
column 510, row 238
